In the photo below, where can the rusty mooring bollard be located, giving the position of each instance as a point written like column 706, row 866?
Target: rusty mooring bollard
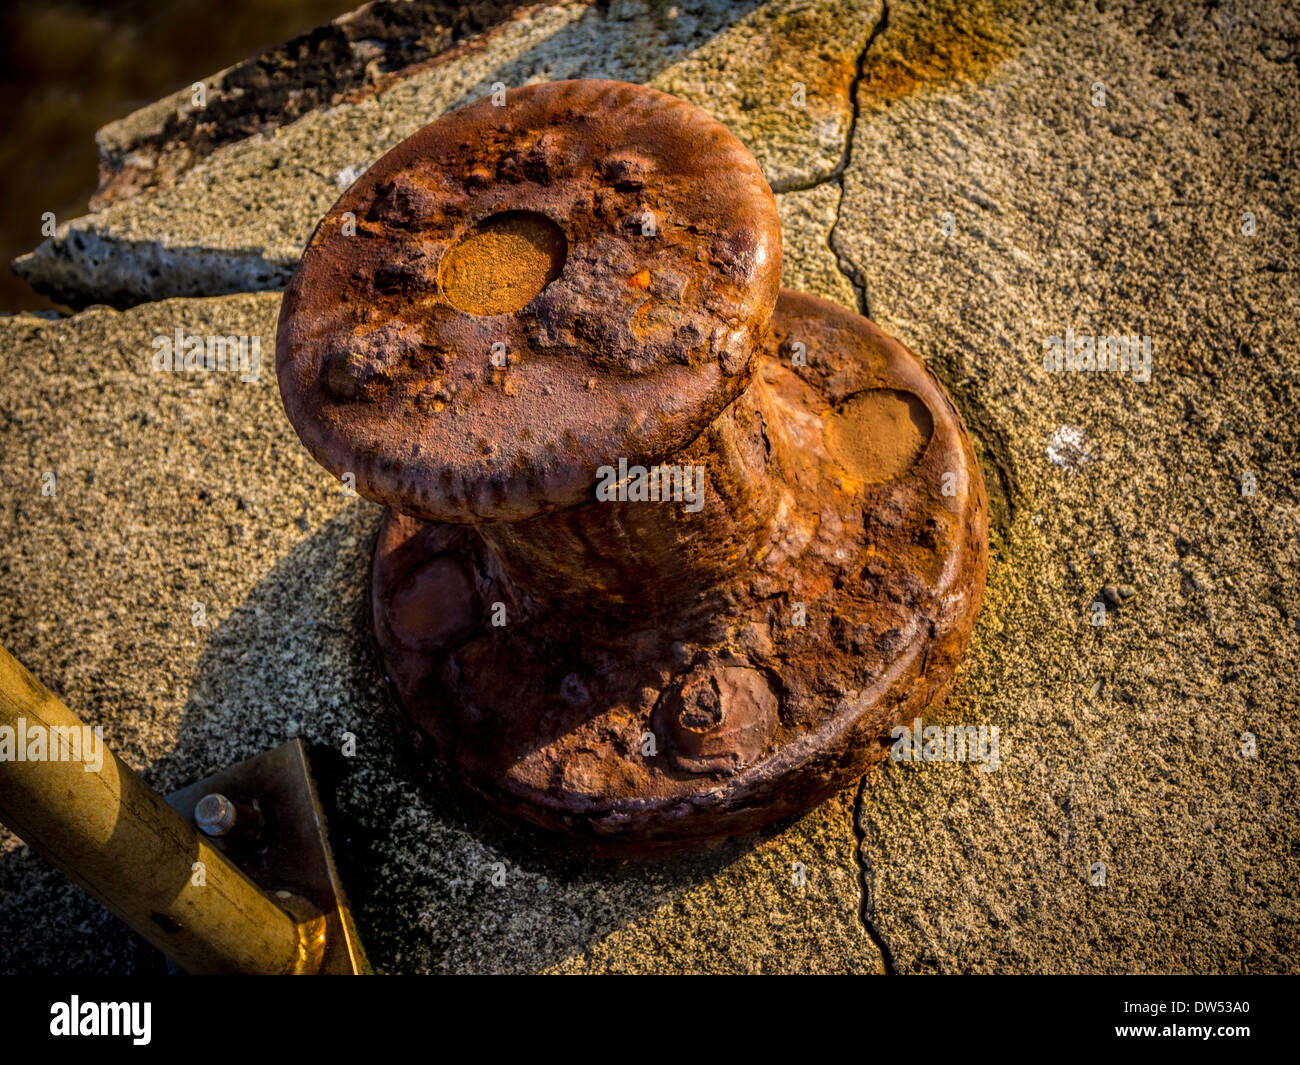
column 668, row 552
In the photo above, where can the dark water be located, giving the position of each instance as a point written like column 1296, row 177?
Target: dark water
column 68, row 68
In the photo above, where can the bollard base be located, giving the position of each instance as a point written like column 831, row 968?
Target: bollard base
column 850, row 623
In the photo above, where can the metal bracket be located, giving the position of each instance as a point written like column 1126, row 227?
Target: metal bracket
column 292, row 852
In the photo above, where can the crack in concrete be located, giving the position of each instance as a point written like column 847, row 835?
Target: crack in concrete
column 845, row 265
column 991, row 443
column 866, row 907
column 837, row 171
column 843, row 261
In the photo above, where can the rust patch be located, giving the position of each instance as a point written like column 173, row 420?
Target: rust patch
column 501, row 264
column 799, row 47
column 879, row 434
column 937, row 44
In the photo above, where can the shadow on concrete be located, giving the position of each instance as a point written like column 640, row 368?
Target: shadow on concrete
column 416, row 854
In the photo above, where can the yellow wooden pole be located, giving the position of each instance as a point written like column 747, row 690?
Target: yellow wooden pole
column 75, row 802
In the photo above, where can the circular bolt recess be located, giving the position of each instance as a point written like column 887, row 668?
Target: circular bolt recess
column 639, row 662
column 214, row 815
column 502, row 263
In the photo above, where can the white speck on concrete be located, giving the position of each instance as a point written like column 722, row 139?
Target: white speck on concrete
column 1068, row 448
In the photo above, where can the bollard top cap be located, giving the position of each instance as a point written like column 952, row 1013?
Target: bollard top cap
column 525, row 290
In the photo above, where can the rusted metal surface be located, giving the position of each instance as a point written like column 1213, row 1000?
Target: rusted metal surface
column 718, row 717
column 671, row 266
column 549, row 714
column 637, row 561
column 638, row 674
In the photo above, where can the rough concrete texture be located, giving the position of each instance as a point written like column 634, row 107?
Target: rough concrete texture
column 808, row 264
column 173, row 490
column 778, row 74
column 991, row 199
column 1120, row 743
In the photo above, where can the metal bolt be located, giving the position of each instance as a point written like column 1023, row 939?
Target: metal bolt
column 215, row 815
column 721, row 718
column 240, row 825
column 503, row 329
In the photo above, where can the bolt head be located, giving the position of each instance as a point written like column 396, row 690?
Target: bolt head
column 214, row 815
column 719, row 718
